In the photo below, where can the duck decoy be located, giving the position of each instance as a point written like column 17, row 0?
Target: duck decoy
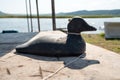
column 55, row 45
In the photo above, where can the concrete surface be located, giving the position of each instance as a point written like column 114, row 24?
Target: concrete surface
column 98, row 64
column 112, row 29
column 9, row 41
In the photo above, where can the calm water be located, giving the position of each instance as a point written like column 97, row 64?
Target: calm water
column 20, row 24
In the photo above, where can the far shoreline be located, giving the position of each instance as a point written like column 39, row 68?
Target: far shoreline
column 57, row 16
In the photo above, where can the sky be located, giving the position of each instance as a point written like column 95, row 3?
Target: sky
column 18, row 6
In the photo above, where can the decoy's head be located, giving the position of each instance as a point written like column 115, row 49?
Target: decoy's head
column 77, row 25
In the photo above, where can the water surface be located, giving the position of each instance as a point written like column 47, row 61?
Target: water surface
column 20, row 24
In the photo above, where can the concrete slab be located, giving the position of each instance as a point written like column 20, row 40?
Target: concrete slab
column 99, row 64
column 8, row 41
column 112, row 30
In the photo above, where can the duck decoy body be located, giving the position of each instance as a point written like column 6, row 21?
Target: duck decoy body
column 56, row 45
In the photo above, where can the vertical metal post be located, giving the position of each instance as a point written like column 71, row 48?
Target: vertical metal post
column 38, row 15
column 30, row 16
column 27, row 15
column 53, row 14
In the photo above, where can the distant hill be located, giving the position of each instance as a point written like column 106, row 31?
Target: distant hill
column 94, row 12
column 2, row 13
column 109, row 13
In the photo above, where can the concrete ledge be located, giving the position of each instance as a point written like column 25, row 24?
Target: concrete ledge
column 9, row 41
column 99, row 64
column 112, row 29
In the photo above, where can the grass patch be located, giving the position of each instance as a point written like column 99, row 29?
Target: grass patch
column 99, row 40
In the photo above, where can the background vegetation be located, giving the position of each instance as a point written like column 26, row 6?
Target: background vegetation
column 81, row 13
column 99, row 40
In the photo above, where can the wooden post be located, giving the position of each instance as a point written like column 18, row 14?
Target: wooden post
column 53, row 14
column 27, row 15
column 30, row 16
column 38, row 15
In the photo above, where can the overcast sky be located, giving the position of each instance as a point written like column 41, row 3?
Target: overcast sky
column 18, row 6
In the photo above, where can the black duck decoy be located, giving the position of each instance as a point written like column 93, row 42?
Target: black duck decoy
column 52, row 45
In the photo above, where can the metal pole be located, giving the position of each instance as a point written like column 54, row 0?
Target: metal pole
column 38, row 15
column 30, row 16
column 53, row 15
column 27, row 15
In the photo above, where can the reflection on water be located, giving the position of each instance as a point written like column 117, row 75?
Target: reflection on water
column 20, row 24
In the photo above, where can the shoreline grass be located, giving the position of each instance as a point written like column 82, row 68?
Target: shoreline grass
column 57, row 16
column 99, row 40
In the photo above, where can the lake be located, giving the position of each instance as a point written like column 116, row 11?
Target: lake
column 20, row 24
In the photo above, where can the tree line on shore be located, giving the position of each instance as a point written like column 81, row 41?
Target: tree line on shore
column 81, row 13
